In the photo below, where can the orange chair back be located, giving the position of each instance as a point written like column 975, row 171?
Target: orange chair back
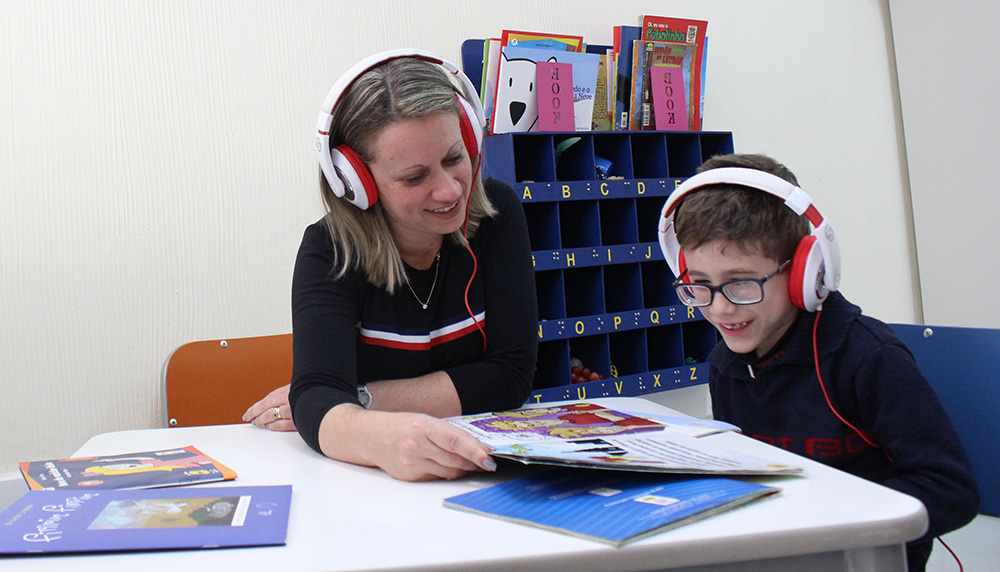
column 213, row 382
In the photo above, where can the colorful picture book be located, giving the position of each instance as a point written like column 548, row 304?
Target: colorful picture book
column 147, row 469
column 581, row 434
column 610, row 507
column 645, row 57
column 44, row 522
column 617, row 95
column 693, row 34
column 516, row 105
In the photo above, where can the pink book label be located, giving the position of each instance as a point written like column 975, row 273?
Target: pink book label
column 555, row 96
column 666, row 86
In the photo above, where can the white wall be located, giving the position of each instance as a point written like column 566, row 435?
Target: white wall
column 949, row 78
column 156, row 166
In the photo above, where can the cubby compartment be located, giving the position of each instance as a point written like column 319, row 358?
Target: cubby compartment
column 584, row 291
column 649, row 155
column 592, row 351
column 699, row 339
column 612, row 156
column 665, row 346
column 553, row 364
column 593, row 201
column 684, row 154
column 543, row 225
column 579, row 224
column 657, row 284
column 619, row 223
column 647, row 217
column 551, row 290
column 622, row 288
column 628, row 353
column 574, row 157
column 715, row 143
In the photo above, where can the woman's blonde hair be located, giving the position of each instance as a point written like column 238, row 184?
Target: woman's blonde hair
column 404, row 88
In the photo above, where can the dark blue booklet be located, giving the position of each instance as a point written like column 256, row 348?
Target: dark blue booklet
column 614, row 507
column 60, row 521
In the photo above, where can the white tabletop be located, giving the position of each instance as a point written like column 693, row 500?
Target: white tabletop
column 346, row 517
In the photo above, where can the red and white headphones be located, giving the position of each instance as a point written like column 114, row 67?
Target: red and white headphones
column 815, row 268
column 344, row 170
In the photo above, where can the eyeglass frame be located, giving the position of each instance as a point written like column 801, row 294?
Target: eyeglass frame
column 678, row 283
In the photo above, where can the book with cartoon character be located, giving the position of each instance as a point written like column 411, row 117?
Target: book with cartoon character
column 516, row 105
column 580, row 434
column 128, row 520
column 614, row 508
column 147, row 469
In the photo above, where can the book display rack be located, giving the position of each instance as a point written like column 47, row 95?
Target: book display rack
column 593, row 201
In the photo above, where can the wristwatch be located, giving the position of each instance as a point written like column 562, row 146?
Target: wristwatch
column 365, row 396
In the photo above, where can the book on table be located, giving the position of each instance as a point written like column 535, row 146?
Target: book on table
column 608, row 506
column 99, row 520
column 146, row 469
column 581, row 434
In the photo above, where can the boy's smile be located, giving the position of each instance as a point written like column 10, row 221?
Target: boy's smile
column 745, row 328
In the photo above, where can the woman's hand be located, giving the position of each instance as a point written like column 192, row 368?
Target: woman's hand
column 407, row 446
column 273, row 412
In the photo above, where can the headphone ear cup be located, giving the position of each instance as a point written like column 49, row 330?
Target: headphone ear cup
column 359, row 187
column 682, row 267
column 806, row 275
column 468, row 121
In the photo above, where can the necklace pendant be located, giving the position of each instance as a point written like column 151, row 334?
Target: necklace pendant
column 425, row 306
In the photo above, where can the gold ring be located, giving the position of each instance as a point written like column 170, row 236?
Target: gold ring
column 277, row 413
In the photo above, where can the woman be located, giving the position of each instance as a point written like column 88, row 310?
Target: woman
column 413, row 299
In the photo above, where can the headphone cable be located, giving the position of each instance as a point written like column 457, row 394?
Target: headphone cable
column 468, row 246
column 826, row 396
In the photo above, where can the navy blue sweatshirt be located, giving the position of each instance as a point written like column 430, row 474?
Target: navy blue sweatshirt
column 875, row 384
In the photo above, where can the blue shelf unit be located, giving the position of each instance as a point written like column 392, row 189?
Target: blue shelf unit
column 593, row 201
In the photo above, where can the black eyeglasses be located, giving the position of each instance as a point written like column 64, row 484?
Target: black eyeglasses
column 743, row 292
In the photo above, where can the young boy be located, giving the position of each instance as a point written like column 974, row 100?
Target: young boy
column 749, row 262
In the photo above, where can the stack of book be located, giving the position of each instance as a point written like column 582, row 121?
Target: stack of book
column 611, row 476
column 652, row 76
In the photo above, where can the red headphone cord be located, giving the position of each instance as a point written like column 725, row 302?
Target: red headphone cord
column 826, row 396
column 468, row 246
column 860, row 434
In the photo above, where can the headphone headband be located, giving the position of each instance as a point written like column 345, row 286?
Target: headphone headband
column 345, row 81
column 343, row 169
column 825, row 264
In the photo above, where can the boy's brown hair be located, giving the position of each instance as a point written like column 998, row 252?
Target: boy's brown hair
column 753, row 220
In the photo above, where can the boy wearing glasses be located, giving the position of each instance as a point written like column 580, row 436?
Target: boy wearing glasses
column 746, row 258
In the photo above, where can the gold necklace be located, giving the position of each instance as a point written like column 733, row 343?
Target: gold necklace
column 437, row 265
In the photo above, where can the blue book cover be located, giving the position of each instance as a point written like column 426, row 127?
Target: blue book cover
column 608, row 506
column 44, row 522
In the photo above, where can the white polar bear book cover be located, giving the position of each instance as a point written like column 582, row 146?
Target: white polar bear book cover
column 516, row 107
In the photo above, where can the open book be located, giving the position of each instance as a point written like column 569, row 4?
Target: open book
column 580, row 434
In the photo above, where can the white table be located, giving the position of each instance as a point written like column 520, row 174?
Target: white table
column 346, row 517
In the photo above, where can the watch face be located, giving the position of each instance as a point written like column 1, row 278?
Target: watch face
column 364, row 397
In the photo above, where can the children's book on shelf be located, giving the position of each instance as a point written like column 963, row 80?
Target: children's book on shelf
column 693, row 34
column 625, row 38
column 44, row 522
column 581, row 434
column 545, row 40
column 516, row 106
column 147, row 469
column 610, row 507
column 647, row 55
